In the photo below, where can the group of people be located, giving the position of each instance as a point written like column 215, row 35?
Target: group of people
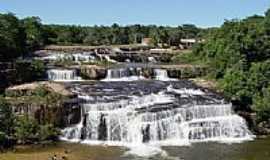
column 58, row 158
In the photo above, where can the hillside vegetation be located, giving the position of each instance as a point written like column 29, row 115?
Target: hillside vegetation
column 238, row 54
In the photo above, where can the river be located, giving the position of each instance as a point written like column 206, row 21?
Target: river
column 258, row 149
column 127, row 116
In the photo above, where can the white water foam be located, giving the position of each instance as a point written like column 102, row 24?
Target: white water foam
column 162, row 75
column 124, row 79
column 63, row 75
column 146, row 151
column 185, row 91
column 130, row 123
column 122, row 74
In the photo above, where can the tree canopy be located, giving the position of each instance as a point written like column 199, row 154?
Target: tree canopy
column 239, row 55
column 12, row 37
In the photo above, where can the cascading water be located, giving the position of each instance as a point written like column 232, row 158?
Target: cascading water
column 77, row 57
column 161, row 114
column 124, row 74
column 62, row 75
column 162, row 75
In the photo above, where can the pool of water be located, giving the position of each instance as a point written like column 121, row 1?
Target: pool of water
column 258, row 149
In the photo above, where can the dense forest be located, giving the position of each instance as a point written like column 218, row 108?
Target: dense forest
column 21, row 36
column 238, row 54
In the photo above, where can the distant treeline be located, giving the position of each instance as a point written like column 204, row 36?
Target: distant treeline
column 19, row 36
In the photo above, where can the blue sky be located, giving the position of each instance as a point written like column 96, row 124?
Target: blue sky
column 204, row 13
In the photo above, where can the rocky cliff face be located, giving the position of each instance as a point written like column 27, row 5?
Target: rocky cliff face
column 57, row 106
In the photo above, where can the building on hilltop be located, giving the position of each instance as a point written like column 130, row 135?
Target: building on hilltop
column 189, row 43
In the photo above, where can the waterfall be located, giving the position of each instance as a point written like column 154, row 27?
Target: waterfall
column 82, row 57
column 162, row 75
column 108, row 59
column 152, row 59
column 78, row 57
column 124, row 74
column 162, row 118
column 63, row 75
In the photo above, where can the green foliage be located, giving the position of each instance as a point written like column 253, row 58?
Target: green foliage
column 115, row 34
column 262, row 104
column 41, row 91
column 26, row 129
column 239, row 54
column 27, row 71
column 37, row 68
column 234, row 85
column 11, row 37
column 186, row 57
column 6, row 117
column 259, row 76
column 2, row 138
column 48, row 132
column 34, row 32
column 6, row 121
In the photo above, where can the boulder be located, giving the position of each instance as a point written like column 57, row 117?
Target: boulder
column 92, row 72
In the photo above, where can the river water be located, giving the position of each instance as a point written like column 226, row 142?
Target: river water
column 258, row 149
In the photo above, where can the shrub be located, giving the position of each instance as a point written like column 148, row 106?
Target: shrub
column 262, row 105
column 48, row 132
column 26, row 130
column 6, row 117
column 29, row 71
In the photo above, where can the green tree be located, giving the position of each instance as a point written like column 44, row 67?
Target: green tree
column 38, row 70
column 26, row 130
column 35, row 37
column 234, row 85
column 6, row 117
column 239, row 53
column 12, row 37
column 262, row 104
column 48, row 132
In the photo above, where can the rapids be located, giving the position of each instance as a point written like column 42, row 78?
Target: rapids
column 152, row 113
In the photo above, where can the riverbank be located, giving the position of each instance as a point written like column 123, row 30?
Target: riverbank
column 68, row 150
column 257, row 149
